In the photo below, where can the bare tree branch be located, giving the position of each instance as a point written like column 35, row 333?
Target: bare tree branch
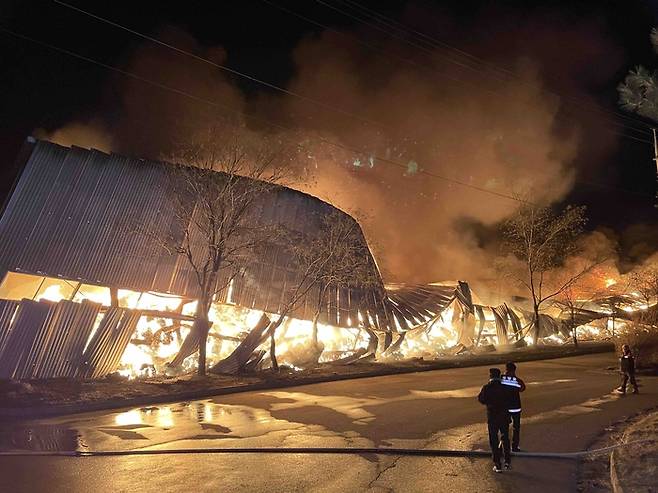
column 222, row 178
column 542, row 241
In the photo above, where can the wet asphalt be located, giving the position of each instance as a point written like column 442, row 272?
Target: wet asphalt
column 567, row 403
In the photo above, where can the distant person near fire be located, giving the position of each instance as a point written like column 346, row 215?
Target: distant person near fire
column 515, row 386
column 627, row 369
column 496, row 397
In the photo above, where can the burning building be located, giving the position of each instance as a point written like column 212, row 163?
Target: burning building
column 82, row 286
column 84, row 293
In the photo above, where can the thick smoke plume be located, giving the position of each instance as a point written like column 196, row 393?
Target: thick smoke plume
column 409, row 125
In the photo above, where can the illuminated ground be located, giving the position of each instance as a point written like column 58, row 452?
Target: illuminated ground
column 567, row 403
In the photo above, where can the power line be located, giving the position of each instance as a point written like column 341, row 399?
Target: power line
column 593, row 106
column 269, row 122
column 278, row 126
column 186, row 94
column 432, row 41
column 435, row 43
column 407, row 61
column 452, row 48
column 388, row 55
column 219, row 65
column 463, row 65
column 250, row 77
column 370, row 46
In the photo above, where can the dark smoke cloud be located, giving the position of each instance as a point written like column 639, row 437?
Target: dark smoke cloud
column 501, row 136
column 477, row 126
column 143, row 120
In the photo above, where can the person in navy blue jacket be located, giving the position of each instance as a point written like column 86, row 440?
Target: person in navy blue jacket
column 497, row 399
column 515, row 386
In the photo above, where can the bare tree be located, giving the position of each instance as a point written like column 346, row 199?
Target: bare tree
column 571, row 303
column 576, row 296
column 222, row 178
column 582, row 301
column 335, row 255
column 542, row 241
column 642, row 332
column 644, row 281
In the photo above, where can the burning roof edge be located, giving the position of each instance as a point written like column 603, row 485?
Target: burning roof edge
column 61, row 219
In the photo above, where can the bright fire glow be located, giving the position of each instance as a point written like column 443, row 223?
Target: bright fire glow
column 157, row 339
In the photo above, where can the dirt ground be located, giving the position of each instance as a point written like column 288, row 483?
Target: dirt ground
column 636, row 465
column 60, row 396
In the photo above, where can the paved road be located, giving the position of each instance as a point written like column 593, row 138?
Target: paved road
column 568, row 402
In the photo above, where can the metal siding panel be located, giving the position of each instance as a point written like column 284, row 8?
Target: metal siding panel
column 70, row 221
column 7, row 311
column 91, row 200
column 116, row 244
column 29, row 320
column 25, row 206
column 70, row 333
column 95, row 351
column 86, row 246
column 40, row 345
column 47, row 238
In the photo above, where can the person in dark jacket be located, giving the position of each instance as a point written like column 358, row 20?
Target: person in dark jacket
column 515, row 386
column 497, row 399
column 627, row 369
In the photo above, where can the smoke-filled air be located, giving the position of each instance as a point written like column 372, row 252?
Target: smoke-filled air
column 423, row 146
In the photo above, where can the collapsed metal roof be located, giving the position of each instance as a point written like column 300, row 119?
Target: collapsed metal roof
column 72, row 214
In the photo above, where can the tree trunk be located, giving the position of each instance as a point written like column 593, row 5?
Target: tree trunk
column 275, row 363
column 574, row 328
column 202, row 326
column 316, row 316
column 537, row 325
column 272, row 329
column 114, row 297
column 315, row 328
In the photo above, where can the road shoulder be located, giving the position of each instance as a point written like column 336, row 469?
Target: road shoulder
column 47, row 398
column 627, row 468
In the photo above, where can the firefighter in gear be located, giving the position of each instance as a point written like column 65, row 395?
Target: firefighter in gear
column 497, row 399
column 515, row 386
column 627, row 369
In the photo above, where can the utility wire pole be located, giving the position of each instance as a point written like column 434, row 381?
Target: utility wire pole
column 655, row 159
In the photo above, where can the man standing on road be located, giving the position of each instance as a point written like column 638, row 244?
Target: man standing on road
column 515, row 386
column 497, row 399
column 627, row 368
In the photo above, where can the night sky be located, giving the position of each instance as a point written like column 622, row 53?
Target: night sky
column 43, row 90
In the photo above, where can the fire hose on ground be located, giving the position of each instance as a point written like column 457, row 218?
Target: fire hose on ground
column 314, row 451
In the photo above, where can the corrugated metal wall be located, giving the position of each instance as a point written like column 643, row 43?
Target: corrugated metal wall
column 109, row 342
column 7, row 311
column 74, row 214
column 47, row 340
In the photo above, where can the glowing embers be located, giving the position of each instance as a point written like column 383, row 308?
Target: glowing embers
column 431, row 340
column 298, row 349
column 158, row 339
column 449, row 324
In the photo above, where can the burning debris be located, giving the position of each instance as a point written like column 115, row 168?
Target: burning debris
column 138, row 339
column 86, row 296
